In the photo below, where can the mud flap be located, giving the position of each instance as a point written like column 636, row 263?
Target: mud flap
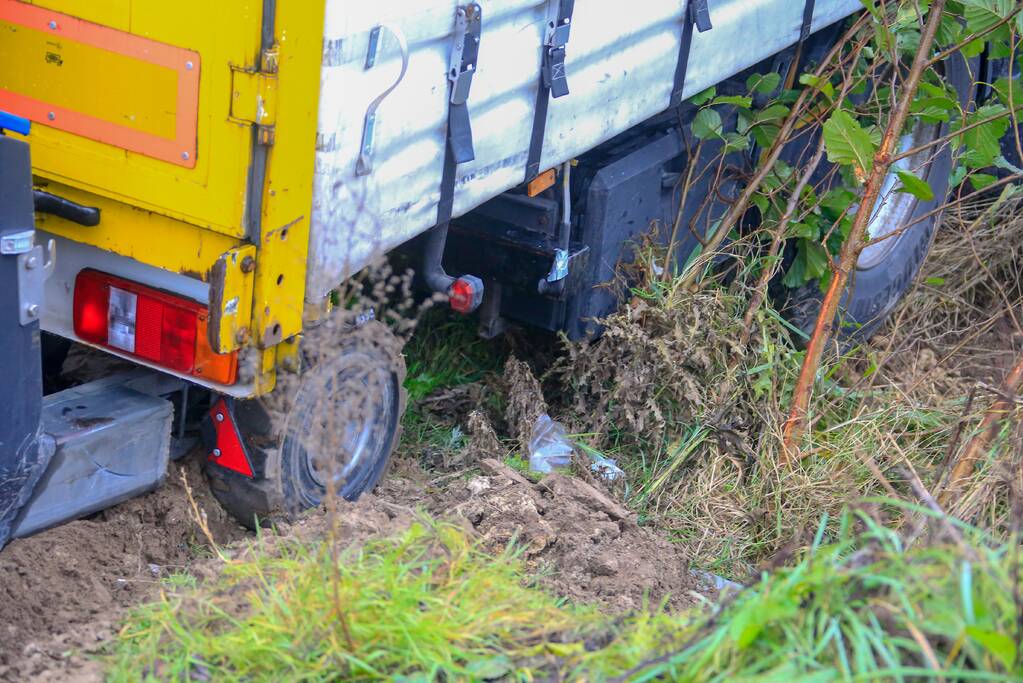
column 112, row 443
column 22, row 459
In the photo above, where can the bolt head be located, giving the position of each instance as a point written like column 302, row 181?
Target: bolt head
column 31, row 262
column 216, row 452
column 242, row 335
column 186, row 156
column 248, row 264
column 32, row 310
column 189, row 65
column 52, row 25
column 51, row 116
column 220, row 417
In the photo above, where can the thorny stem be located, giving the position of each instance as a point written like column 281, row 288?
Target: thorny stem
column 989, row 425
column 792, row 432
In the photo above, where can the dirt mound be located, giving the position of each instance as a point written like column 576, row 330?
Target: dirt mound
column 66, row 588
column 577, row 541
column 64, row 591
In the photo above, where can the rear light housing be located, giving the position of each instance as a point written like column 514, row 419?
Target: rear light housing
column 155, row 326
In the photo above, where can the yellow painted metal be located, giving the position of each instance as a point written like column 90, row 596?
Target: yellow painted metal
column 138, row 95
column 231, row 283
column 211, row 195
column 193, row 221
column 288, row 191
column 142, row 235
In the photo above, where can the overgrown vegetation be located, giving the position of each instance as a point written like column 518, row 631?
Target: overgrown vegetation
column 428, row 605
column 864, row 558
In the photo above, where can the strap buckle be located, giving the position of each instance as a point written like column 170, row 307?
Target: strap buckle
column 466, row 49
column 555, row 77
column 699, row 15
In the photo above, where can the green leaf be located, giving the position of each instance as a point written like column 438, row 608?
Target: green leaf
column 981, row 15
column 914, row 186
column 816, row 258
column 765, row 135
column 811, row 263
column 704, row 97
column 735, row 143
column 736, row 100
column 848, row 143
column 707, row 124
column 934, row 281
column 998, row 644
column 983, row 142
column 489, row 669
column 763, row 83
column 821, row 84
column 982, row 180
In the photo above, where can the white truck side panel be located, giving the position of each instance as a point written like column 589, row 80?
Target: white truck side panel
column 621, row 60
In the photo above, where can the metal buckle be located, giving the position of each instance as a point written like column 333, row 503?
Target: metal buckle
column 462, row 66
column 699, row 14
column 555, row 78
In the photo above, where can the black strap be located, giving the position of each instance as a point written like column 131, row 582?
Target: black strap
column 553, row 82
column 804, row 31
column 459, row 148
column 697, row 15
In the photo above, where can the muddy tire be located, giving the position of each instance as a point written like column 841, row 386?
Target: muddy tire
column 886, row 270
column 332, row 428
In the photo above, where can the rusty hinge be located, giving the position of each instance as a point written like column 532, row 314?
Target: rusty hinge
column 254, row 95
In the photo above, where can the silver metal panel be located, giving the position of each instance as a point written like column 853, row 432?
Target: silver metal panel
column 112, row 443
column 621, row 65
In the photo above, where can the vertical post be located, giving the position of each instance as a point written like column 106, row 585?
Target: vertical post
column 22, row 462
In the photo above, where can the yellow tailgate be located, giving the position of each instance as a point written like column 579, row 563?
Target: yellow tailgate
column 133, row 100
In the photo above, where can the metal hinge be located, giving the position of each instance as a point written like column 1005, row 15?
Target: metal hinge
column 254, row 95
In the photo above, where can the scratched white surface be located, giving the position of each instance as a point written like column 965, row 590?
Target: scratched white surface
column 621, row 61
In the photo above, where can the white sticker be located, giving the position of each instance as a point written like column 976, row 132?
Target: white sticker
column 121, row 319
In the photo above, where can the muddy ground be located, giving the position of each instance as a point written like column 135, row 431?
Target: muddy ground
column 64, row 590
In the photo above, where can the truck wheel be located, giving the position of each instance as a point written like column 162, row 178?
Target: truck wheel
column 886, row 269
column 333, row 428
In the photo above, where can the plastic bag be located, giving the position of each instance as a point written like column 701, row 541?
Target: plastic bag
column 605, row 468
column 549, row 445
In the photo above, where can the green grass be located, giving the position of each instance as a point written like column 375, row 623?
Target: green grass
column 430, row 605
column 444, row 353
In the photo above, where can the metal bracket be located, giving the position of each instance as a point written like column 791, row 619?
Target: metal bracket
column 465, row 51
column 254, row 96
column 33, row 271
column 17, row 242
column 559, row 269
column 364, row 164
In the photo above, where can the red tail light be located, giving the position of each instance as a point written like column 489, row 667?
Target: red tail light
column 162, row 328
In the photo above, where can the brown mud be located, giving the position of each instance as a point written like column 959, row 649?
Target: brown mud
column 65, row 590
